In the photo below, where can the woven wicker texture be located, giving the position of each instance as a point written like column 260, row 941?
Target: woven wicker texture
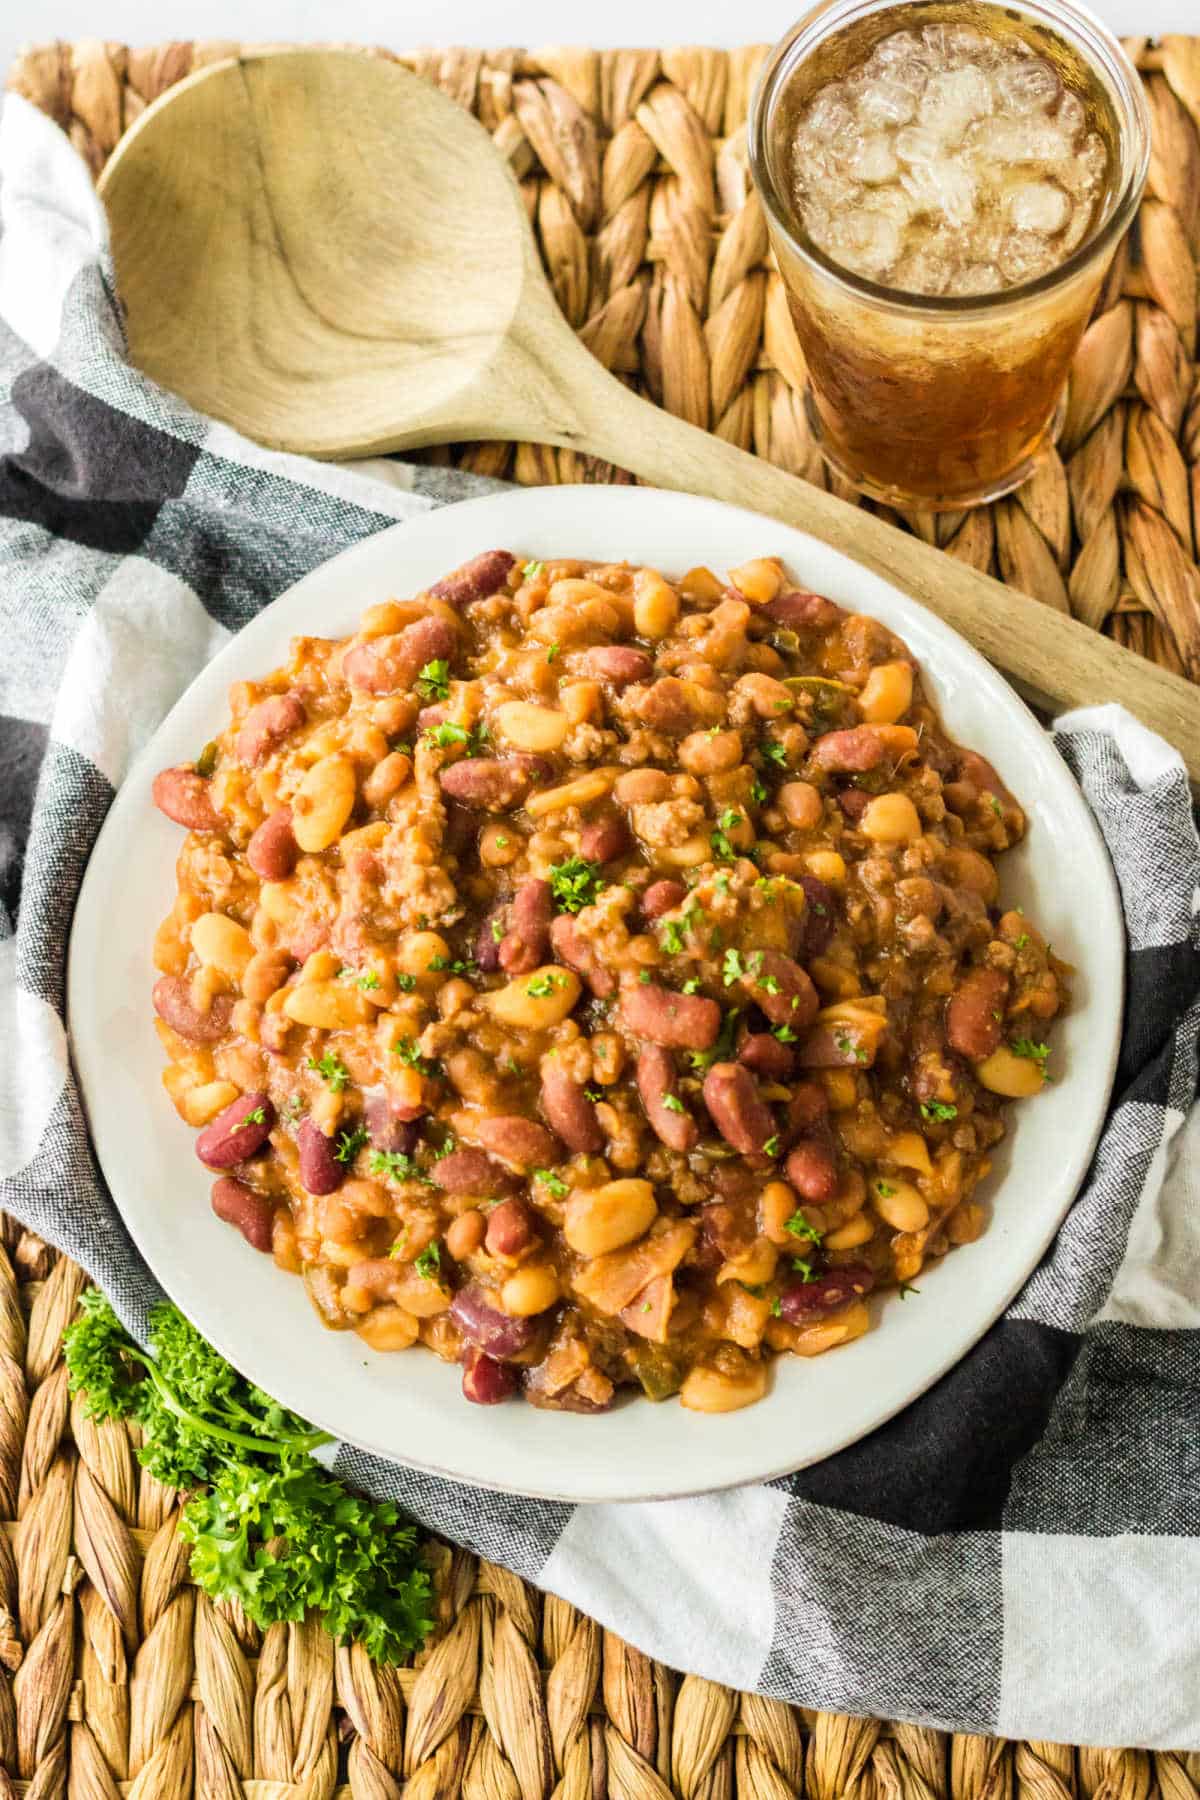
column 116, row 1677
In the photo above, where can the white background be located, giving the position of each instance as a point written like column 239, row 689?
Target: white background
column 413, row 23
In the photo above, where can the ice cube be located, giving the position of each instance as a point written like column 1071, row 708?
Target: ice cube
column 1029, row 85
column 1023, row 256
column 829, row 119
column 975, row 278
column 863, row 240
column 952, row 101
column 872, row 161
column 944, row 187
column 881, row 102
column 1039, row 206
column 1071, row 116
column 912, row 145
column 966, row 45
column 924, row 270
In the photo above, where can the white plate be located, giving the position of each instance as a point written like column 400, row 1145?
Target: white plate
column 408, row 1407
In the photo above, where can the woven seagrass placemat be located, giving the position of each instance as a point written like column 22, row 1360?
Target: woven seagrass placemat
column 116, row 1676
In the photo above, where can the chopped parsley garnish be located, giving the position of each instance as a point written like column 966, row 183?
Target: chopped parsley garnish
column 575, row 883
column 645, row 977
column 497, row 932
column 771, row 1147
column 593, row 1094
column 295, row 1105
column 722, row 1050
column 721, row 883
column 799, row 1227
column 673, row 1103
column 906, row 1288
column 755, row 1289
column 774, row 752
column 768, row 984
column 552, row 652
column 732, row 969
column 804, row 1269
column 349, row 1143
column 406, row 983
column 456, row 965
column 368, row 981
column 723, row 850
column 257, row 1117
column 532, row 570
column 331, row 1069
column 434, row 680
column 553, row 1184
column 448, row 733
column 884, row 1189
column 500, row 842
column 672, row 939
column 938, row 1110
column 785, row 1034
column 428, row 1264
column 994, row 804
column 1031, row 1052
column 397, row 1165
column 776, row 1308
column 541, row 986
column 206, row 762
column 691, row 985
column 848, row 1047
column 758, row 792
column 1021, row 941
column 406, row 1050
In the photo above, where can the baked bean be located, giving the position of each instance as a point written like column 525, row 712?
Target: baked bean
column 221, row 943
column 677, row 1021
column 890, row 819
column 386, row 665
column 273, row 851
column 389, row 1328
column 580, row 791
column 614, row 663
column 197, row 1105
column 520, row 1142
column 662, row 897
column 531, row 727
column 599, row 1220
column 529, row 1290
column 510, row 1229
column 238, row 1133
column 760, row 1051
column 678, row 707
column 485, row 1381
column 642, row 787
column 386, row 778
column 603, row 840
column 655, row 605
column 812, row 1170
column 484, row 1326
column 327, row 1005
column 899, row 1204
column 250, row 1213
column 174, row 1005
column 658, row 1085
column 527, row 940
column 268, row 725
column 862, row 748
column 323, row 802
column 483, row 576
column 719, row 1390
column 800, row 610
column 768, row 698
column 494, row 784
column 571, row 1114
column 1015, row 1077
column 975, row 1013
column 887, row 693
column 759, row 580
column 706, row 753
column 464, row 1235
column 801, row 804
column 470, row 1172
column 186, row 799
column 739, row 1113
column 828, row 1293
column 537, row 1001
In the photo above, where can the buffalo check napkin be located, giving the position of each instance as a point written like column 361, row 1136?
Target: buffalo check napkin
column 1017, row 1553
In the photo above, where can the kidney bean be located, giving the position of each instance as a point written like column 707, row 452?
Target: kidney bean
column 820, row 916
column 809, row 1102
column 759, row 1051
column 430, row 717
column 526, row 943
column 522, row 1142
column 828, row 1293
column 470, row 1172
column 799, row 609
column 662, row 897
column 266, row 725
column 273, row 851
column 384, row 1128
column 572, row 948
column 492, row 784
column 569, row 1110
column 484, row 575
column 173, row 1004
column 975, row 1013
column 862, row 747
column 615, row 663
column 320, row 1170
column 487, row 1328
column 678, row 1021
column 853, row 803
column 487, row 944
column 658, row 1085
column 669, row 705
column 386, row 665
column 239, row 1131
column 510, row 1229
column 782, row 989
column 812, row 1171
column 240, row 1206
column 485, row 1381
column 186, row 799
column 736, row 1109
column 603, row 840
column 831, row 1046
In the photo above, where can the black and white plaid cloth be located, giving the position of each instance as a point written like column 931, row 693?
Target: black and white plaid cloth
column 1017, row 1553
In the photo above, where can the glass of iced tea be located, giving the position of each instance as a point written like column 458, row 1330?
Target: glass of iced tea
column 945, row 183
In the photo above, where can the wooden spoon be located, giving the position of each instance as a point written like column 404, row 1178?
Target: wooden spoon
column 327, row 253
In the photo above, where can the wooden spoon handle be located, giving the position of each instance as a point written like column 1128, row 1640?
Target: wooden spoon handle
column 1049, row 655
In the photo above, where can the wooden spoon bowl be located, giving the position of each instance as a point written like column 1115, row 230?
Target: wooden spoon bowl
column 325, row 252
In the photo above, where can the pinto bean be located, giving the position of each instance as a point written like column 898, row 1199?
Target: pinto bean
column 678, row 707
column 603, row 840
column 812, row 1170
column 485, row 1381
column 485, row 1327
column 828, row 1293
column 238, row 1132
column 572, row 948
column 186, row 799
column 320, row 1170
column 267, row 725
column 238, row 1205
column 492, row 784
column 173, row 1004
column 658, row 1085
column 478, row 579
column 510, row 1229
column 862, row 747
column 385, row 1128
column 975, row 1013
column 760, row 1051
column 800, row 609
column 273, row 851
column 617, row 664
column 526, row 943
column 678, row 1021
column 521, row 1142
column 820, row 916
column 782, row 989
column 469, row 1172
column 569, row 1110
column 430, row 717
column 739, row 1113
column 662, row 897
column 386, row 665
